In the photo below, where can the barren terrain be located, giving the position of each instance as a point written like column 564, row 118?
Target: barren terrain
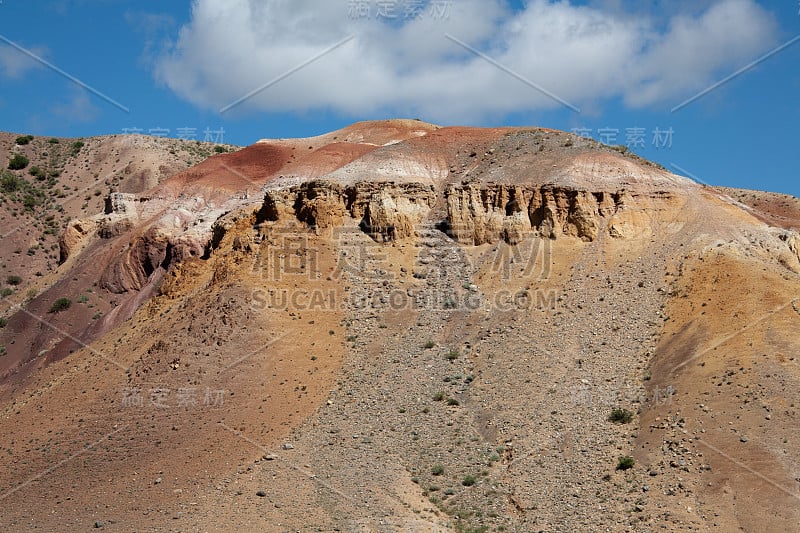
column 403, row 327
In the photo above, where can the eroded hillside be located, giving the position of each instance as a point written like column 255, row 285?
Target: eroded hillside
column 45, row 182
column 397, row 326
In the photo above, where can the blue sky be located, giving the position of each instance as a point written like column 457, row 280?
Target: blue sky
column 613, row 69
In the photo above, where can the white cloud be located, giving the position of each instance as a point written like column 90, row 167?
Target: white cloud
column 78, row 108
column 15, row 64
column 582, row 54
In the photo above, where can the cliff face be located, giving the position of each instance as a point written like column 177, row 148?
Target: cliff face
column 487, row 214
column 385, row 211
column 475, row 213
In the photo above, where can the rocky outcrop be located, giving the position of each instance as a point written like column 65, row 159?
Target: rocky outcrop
column 488, row 213
column 792, row 240
column 131, row 270
column 119, row 203
column 119, row 215
column 169, row 235
column 75, row 237
column 478, row 214
column 790, row 255
column 385, row 211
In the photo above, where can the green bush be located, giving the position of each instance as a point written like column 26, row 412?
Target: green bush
column 620, row 416
column 13, row 280
column 9, row 182
column 53, row 140
column 468, row 481
column 38, row 173
column 62, row 304
column 625, row 462
column 220, row 149
column 429, row 345
column 438, row 397
column 452, row 355
column 452, row 401
column 29, row 202
column 18, row 162
column 5, row 291
column 437, row 470
column 24, row 139
column 3, row 322
column 76, row 147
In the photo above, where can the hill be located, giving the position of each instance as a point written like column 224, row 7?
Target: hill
column 401, row 326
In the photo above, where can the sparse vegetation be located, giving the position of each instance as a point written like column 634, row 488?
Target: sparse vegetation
column 219, row 149
column 620, row 416
column 452, row 355
column 8, row 182
column 2, row 351
column 37, row 173
column 463, row 528
column 24, row 139
column 62, row 304
column 439, row 397
column 452, row 401
column 621, row 148
column 429, row 345
column 76, row 148
column 18, row 162
column 437, row 470
column 468, row 481
column 3, row 322
column 5, row 292
column 13, row 280
column 625, row 462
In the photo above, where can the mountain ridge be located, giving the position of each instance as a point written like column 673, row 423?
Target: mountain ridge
column 413, row 327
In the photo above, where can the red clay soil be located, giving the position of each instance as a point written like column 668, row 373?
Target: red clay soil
column 250, row 166
column 781, row 210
